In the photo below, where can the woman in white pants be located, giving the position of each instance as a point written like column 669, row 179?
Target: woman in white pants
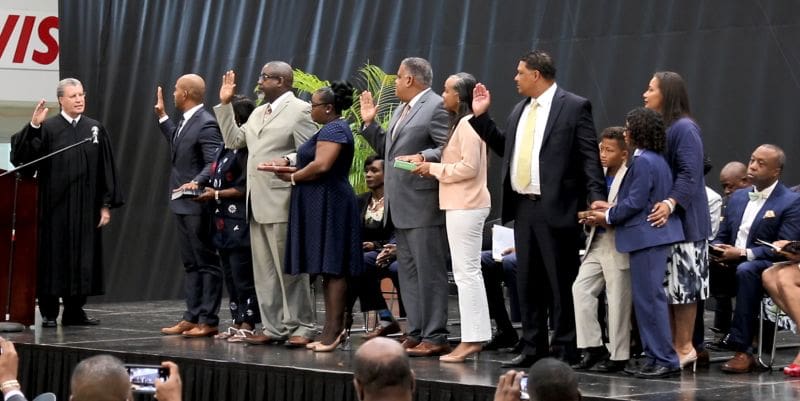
column 465, row 199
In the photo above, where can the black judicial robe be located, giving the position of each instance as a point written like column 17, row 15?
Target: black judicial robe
column 73, row 187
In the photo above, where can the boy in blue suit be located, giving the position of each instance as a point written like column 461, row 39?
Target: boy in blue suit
column 647, row 182
column 768, row 211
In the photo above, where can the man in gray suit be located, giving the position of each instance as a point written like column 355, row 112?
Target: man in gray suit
column 417, row 132
column 274, row 130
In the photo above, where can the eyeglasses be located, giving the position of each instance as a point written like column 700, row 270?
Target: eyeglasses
column 318, row 104
column 263, row 77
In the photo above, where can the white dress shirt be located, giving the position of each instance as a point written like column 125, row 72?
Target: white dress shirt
column 749, row 216
column 545, row 100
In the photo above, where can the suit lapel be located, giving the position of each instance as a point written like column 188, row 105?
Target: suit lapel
column 769, row 204
column 401, row 124
column 555, row 110
column 185, row 130
column 511, row 130
column 265, row 120
column 612, row 192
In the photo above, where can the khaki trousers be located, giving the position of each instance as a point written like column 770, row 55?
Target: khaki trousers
column 604, row 267
column 284, row 299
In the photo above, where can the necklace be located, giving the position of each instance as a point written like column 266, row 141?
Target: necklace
column 375, row 209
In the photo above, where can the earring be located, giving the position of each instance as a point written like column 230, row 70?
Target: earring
column 327, row 112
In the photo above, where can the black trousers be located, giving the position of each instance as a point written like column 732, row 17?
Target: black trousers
column 73, row 307
column 547, row 266
column 203, row 281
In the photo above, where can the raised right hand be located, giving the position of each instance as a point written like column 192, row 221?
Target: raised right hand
column 159, row 107
column 39, row 113
column 481, row 99
column 368, row 109
column 228, row 88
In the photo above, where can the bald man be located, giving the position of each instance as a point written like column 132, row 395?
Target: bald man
column 100, row 378
column 272, row 134
column 733, row 176
column 193, row 143
column 382, row 371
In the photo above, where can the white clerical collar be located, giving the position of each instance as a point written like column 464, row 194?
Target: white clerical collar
column 69, row 119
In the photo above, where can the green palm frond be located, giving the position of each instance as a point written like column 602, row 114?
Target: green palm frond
column 307, row 83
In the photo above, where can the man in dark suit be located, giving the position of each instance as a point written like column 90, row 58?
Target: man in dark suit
column 417, row 132
column 767, row 212
column 193, row 144
column 551, row 167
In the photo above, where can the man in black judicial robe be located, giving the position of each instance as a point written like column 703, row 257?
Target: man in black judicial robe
column 77, row 189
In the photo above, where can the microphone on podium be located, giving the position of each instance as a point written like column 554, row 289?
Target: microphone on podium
column 94, row 134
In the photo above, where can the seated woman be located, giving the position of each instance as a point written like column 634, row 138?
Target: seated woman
column 782, row 282
column 376, row 233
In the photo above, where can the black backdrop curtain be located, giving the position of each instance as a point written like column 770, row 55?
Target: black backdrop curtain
column 741, row 60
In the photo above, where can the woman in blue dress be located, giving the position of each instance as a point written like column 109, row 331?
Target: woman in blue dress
column 324, row 230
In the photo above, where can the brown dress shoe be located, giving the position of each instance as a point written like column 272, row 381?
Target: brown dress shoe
column 202, row 330
column 297, row 341
column 259, row 339
column 409, row 343
column 429, row 349
column 179, row 328
column 383, row 331
column 742, row 362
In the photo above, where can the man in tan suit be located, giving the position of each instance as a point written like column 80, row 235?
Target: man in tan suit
column 274, row 131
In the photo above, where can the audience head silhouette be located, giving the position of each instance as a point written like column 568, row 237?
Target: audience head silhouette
column 382, row 371
column 100, row 378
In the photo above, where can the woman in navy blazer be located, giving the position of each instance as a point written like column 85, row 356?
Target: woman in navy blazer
column 647, row 182
column 687, row 271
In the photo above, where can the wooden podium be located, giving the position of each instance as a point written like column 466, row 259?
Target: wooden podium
column 23, row 258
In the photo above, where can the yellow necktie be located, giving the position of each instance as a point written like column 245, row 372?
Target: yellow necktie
column 525, row 152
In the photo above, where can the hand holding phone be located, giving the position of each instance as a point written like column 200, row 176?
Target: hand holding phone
column 172, row 388
column 144, row 377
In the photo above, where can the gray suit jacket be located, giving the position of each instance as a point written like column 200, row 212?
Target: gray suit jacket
column 268, row 138
column 413, row 201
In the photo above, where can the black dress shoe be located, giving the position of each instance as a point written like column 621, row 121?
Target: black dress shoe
column 85, row 321
column 517, row 348
column 634, row 365
column 521, row 361
column 657, row 371
column 590, row 357
column 49, row 323
column 723, row 344
column 565, row 353
column 609, row 366
column 500, row 340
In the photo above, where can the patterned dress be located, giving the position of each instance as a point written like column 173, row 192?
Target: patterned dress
column 324, row 221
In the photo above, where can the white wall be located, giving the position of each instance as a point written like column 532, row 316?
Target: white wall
column 28, row 63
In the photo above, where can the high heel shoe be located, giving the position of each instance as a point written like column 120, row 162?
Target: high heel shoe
column 792, row 370
column 455, row 357
column 691, row 358
column 330, row 347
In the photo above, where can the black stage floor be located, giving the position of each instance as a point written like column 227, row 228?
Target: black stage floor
column 216, row 370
